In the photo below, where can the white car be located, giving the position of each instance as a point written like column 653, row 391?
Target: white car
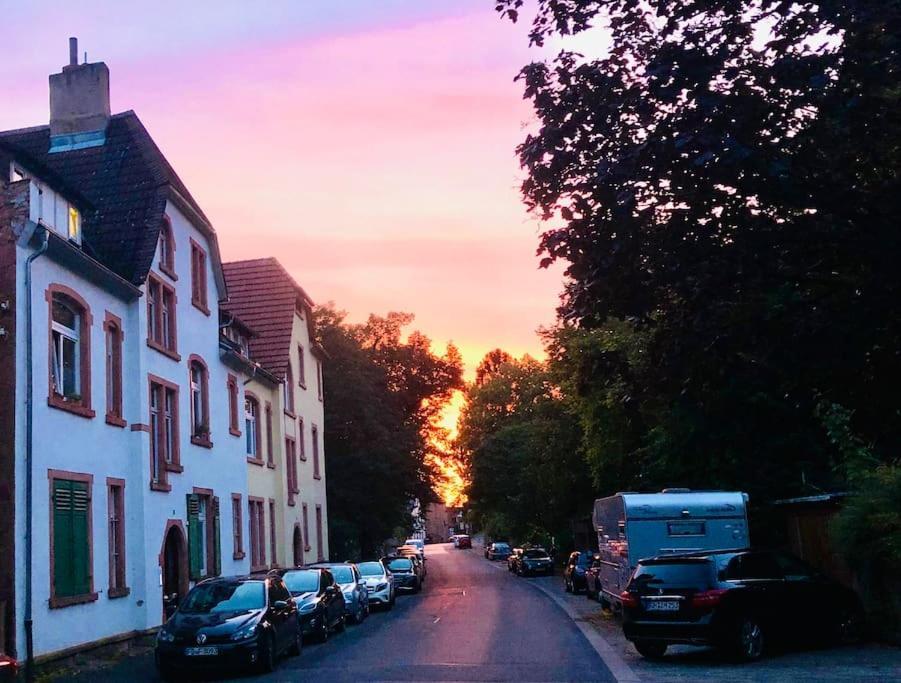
column 379, row 583
column 417, row 543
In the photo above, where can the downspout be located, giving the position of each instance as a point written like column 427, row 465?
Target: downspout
column 29, row 475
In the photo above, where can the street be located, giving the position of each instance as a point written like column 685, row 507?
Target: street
column 472, row 622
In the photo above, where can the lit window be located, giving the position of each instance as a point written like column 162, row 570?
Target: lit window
column 66, row 349
column 74, row 225
column 251, row 427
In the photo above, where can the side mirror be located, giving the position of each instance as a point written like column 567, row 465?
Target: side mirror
column 330, row 590
column 280, row 604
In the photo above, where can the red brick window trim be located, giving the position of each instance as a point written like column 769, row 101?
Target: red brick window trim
column 273, row 560
column 253, row 429
column 199, row 385
column 306, row 528
column 319, row 378
column 199, row 277
column 115, row 503
column 270, row 449
column 237, row 527
column 301, row 366
column 112, row 328
column 70, row 502
column 314, row 436
column 289, row 390
column 164, row 444
column 232, row 385
column 257, row 533
column 319, row 554
column 162, row 319
column 291, row 469
column 69, row 323
column 167, row 249
column 303, row 440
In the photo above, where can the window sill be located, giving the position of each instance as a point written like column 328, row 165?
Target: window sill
column 234, row 432
column 74, row 407
column 238, row 555
column 200, row 306
column 270, row 465
column 292, row 502
column 159, row 486
column 69, row 600
column 114, row 593
column 115, row 420
column 290, row 413
column 307, row 548
column 302, row 385
column 202, row 441
column 169, row 353
column 174, row 467
column 255, row 461
column 169, row 272
column 317, row 476
column 302, row 458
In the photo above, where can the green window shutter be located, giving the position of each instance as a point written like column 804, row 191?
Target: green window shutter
column 81, row 501
column 63, row 571
column 195, row 543
column 217, row 550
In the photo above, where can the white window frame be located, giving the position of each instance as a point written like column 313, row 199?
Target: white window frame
column 60, row 334
column 251, row 415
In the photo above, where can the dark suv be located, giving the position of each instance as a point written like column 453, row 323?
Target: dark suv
column 574, row 570
column 741, row 601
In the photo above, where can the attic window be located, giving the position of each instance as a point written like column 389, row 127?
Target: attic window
column 74, row 225
column 17, row 174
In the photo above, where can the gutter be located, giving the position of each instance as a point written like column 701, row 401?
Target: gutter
column 29, row 474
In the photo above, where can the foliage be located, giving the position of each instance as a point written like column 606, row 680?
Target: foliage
column 723, row 187
column 382, row 396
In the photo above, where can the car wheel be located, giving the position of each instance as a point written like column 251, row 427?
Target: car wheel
column 650, row 649
column 322, row 634
column 358, row 615
column 167, row 673
column 589, row 594
column 848, row 625
column 266, row 655
column 297, row 645
column 567, row 586
column 749, row 639
column 341, row 625
column 605, row 603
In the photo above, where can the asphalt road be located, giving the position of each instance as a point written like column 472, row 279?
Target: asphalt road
column 470, row 623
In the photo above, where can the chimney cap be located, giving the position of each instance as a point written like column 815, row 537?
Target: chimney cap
column 73, row 51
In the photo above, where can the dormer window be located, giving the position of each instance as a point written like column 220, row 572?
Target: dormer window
column 74, row 225
column 17, row 174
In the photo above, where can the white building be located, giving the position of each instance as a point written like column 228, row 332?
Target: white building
column 133, row 448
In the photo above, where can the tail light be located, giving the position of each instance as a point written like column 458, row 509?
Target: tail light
column 628, row 599
column 707, row 599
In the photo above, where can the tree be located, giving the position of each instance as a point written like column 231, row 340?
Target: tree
column 724, row 182
column 381, row 396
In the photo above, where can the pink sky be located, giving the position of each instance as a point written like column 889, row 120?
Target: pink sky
column 374, row 157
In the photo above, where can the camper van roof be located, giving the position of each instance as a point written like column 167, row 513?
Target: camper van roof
column 696, row 504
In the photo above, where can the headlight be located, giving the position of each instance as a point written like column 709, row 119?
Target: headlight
column 381, row 587
column 307, row 607
column 247, row 632
column 163, row 636
column 349, row 596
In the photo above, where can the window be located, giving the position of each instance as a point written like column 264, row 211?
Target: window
column 237, row 528
column 301, row 367
column 686, row 528
column 70, row 351
column 71, row 549
column 204, row 558
column 115, row 492
column 319, row 378
column 257, row 533
column 252, row 434
column 199, row 381
column 270, row 453
column 289, row 390
column 164, row 455
column 290, row 469
column 199, row 277
column 272, row 536
column 319, row 549
column 303, row 440
column 113, row 332
column 306, row 527
column 167, row 249
column 233, row 427
column 74, row 225
column 161, row 325
column 314, row 435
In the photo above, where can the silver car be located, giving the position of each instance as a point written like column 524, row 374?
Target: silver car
column 379, row 582
column 352, row 586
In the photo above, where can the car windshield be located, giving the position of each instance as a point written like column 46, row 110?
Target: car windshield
column 342, row 573
column 371, row 568
column 225, row 597
column 695, row 574
column 584, row 559
column 535, row 552
column 302, row 581
column 400, row 564
column 501, row 546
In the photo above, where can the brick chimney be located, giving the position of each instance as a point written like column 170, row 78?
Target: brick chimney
column 79, row 104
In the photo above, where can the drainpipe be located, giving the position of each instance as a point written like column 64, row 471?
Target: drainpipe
column 29, row 429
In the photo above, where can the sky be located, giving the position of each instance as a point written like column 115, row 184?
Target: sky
column 369, row 145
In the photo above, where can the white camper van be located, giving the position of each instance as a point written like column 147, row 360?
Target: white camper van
column 633, row 526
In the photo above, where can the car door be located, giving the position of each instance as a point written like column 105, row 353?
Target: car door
column 289, row 625
column 766, row 594
column 277, row 614
column 812, row 595
column 334, row 605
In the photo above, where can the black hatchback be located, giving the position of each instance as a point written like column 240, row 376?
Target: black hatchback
column 237, row 621
column 741, row 601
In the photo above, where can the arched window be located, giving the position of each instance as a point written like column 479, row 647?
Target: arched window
column 69, row 340
column 200, row 403
column 112, row 326
column 252, row 427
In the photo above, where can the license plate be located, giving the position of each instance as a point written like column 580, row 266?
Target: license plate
column 201, row 651
column 663, row 606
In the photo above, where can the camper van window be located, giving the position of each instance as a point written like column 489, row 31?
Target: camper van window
column 686, row 528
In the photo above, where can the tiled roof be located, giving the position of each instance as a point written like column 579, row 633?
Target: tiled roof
column 126, row 182
column 264, row 295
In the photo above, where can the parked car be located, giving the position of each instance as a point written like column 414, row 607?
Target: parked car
column 739, row 601
column 405, row 576
column 320, row 603
column 513, row 559
column 593, row 579
column 534, row 560
column 379, row 582
column 232, row 622
column 352, row 586
column 418, row 544
column 463, row 542
column 499, row 551
column 418, row 560
column 574, row 570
